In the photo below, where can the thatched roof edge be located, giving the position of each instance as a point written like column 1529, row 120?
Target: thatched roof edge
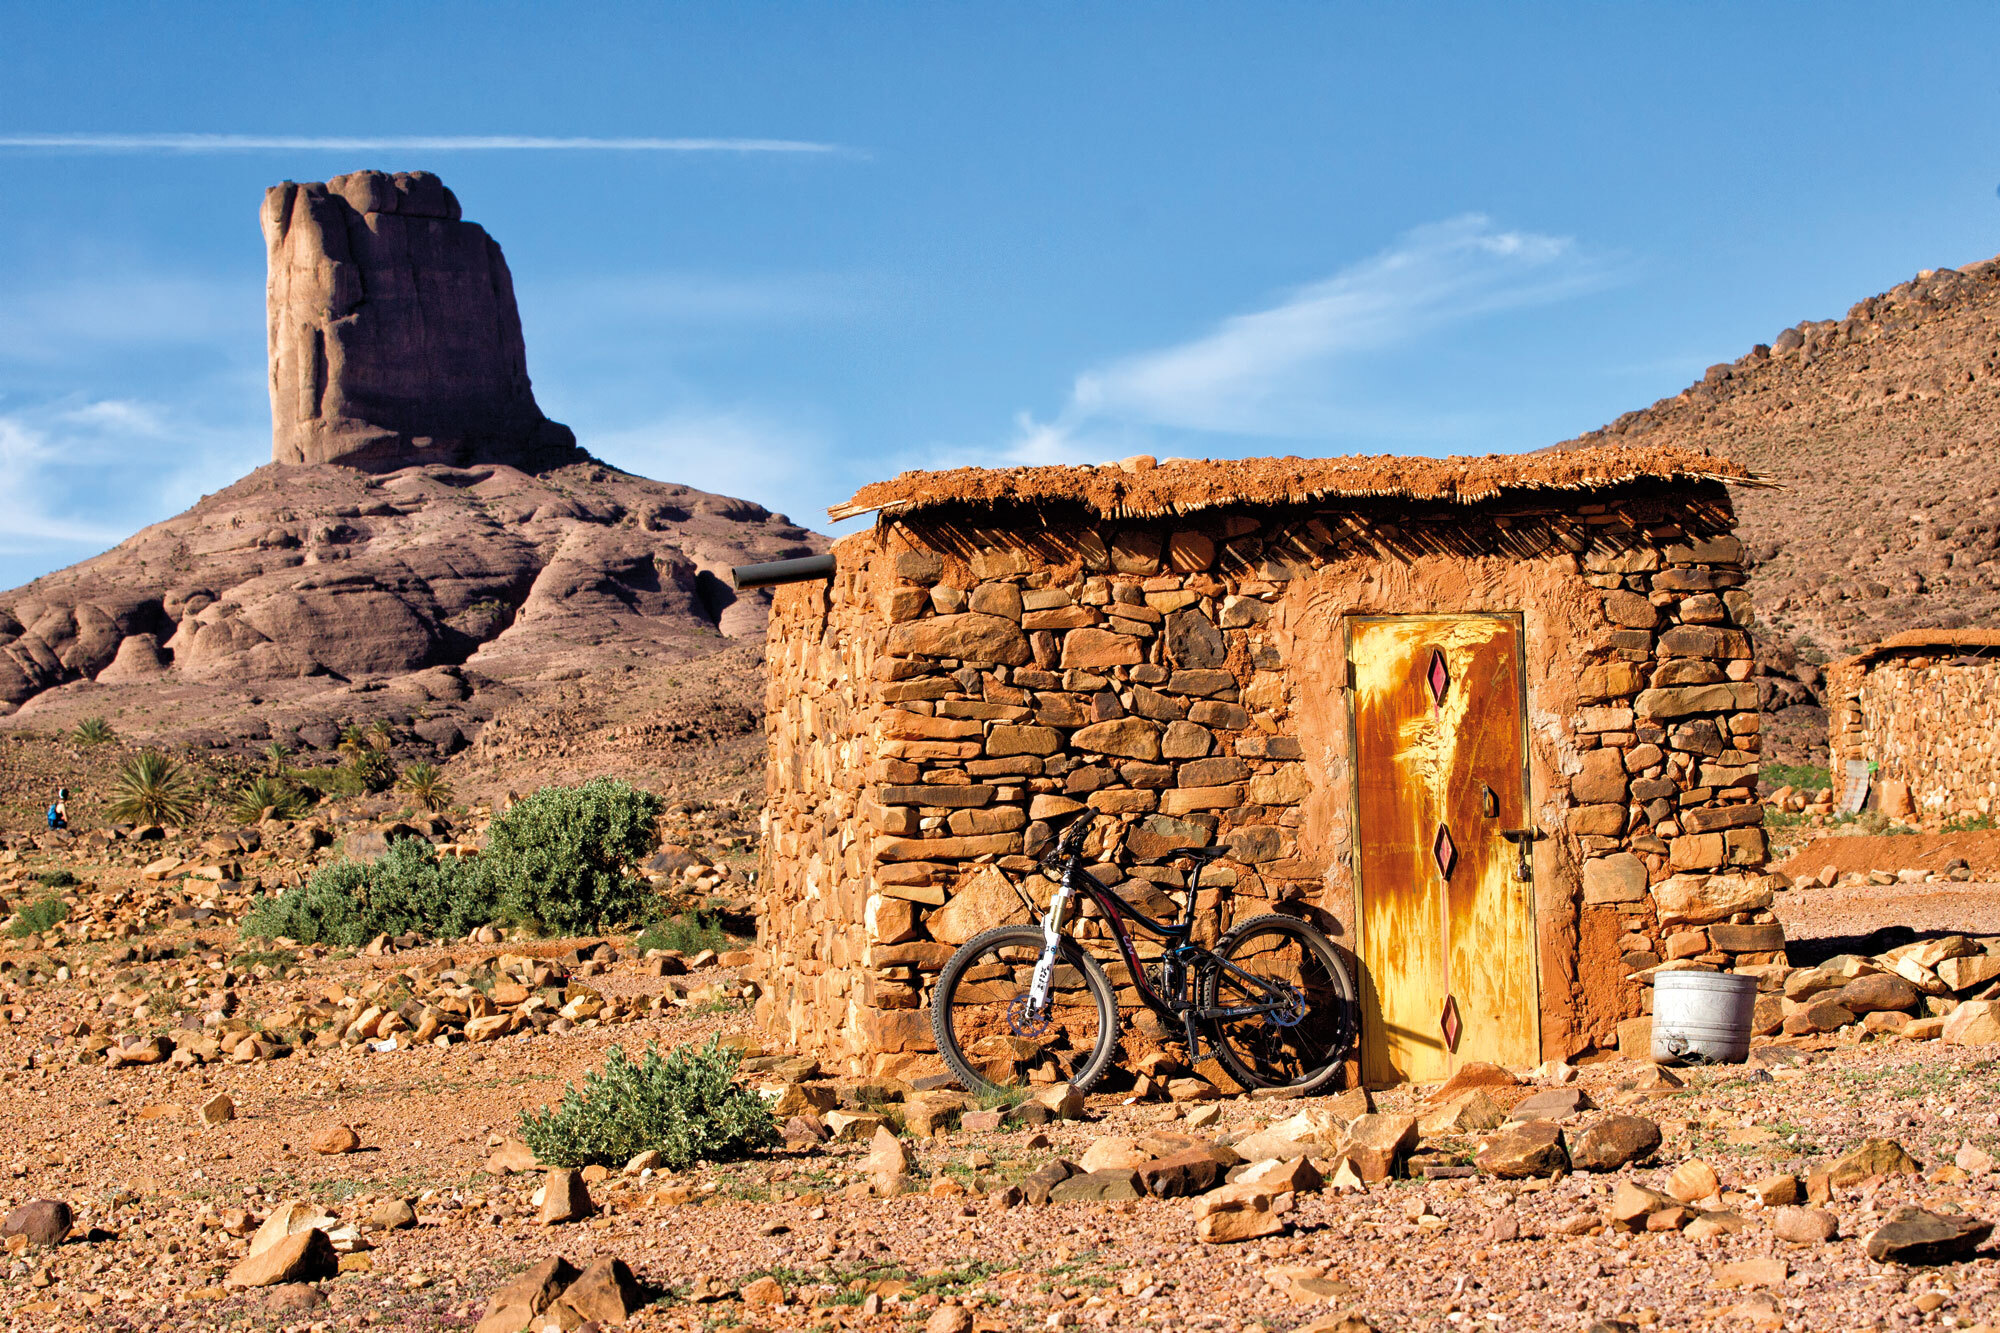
column 1141, row 488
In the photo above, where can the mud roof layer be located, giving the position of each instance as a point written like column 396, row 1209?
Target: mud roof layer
column 1142, row 488
column 1920, row 640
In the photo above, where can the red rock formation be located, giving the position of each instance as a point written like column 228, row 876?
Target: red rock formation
column 394, row 337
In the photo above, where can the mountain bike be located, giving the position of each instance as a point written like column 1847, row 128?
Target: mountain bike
column 1025, row 1005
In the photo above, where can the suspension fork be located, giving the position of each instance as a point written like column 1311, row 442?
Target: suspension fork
column 1052, row 924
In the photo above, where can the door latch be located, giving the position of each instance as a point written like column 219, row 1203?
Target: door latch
column 1524, row 840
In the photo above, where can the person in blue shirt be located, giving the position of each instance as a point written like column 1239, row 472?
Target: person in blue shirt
column 59, row 812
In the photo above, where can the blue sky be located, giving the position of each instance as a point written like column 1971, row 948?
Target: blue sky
column 1043, row 232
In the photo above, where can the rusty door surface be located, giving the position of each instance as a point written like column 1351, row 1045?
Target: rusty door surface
column 1446, row 928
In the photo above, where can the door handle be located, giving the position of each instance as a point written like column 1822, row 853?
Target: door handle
column 1524, row 840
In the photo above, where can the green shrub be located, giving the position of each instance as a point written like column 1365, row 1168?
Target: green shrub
column 330, row 908
column 38, row 917
column 152, row 789
column 349, row 903
column 685, row 1105
column 1799, row 777
column 1969, row 824
column 561, row 858
column 93, row 731
column 265, row 797
column 57, row 879
column 684, row 934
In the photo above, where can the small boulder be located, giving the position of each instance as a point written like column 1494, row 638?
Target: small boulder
column 394, row 1215
column 40, row 1222
column 339, row 1139
column 1531, row 1148
column 1913, row 1236
column 949, row 1319
column 1804, row 1226
column 1873, row 1157
column 606, row 1292
column 763, row 1291
column 1551, row 1104
column 1879, row 992
column 1973, row 1023
column 217, row 1109
column 887, row 1155
column 514, row 1306
column 1105, row 1186
column 1234, row 1213
column 1632, row 1204
column 304, row 1256
column 565, row 1198
column 1693, row 1180
column 1614, row 1141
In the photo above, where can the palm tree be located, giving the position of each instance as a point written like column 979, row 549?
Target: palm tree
column 426, row 785
column 152, row 789
column 93, row 731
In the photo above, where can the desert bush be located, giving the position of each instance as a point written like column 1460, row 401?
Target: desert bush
column 684, row 1105
column 562, row 858
column 93, row 731
column 349, row 903
column 38, row 917
column 265, row 797
column 1799, row 777
column 426, row 785
column 152, row 789
column 276, row 754
column 684, row 934
column 57, row 879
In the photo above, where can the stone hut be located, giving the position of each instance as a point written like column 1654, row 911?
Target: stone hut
column 1915, row 726
column 1490, row 722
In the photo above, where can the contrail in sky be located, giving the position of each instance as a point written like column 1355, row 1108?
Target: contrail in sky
column 244, row 143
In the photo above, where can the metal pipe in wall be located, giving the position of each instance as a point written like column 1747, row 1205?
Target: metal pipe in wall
column 782, row 571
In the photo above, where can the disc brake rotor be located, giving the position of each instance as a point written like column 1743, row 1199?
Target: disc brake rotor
column 1024, row 1021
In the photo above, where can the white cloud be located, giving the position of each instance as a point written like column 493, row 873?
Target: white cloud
column 447, row 143
column 80, row 475
column 1276, row 372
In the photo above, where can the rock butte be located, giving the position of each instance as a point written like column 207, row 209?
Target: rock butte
column 394, row 337
column 424, row 527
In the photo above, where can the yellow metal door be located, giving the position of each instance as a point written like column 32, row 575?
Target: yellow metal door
column 1446, row 927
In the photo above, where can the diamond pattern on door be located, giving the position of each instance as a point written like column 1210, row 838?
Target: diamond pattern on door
column 1444, row 851
column 1438, row 677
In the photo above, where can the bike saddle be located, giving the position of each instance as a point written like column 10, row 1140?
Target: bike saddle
column 1204, row 853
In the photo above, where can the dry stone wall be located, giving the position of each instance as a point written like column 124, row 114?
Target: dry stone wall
column 959, row 686
column 1929, row 719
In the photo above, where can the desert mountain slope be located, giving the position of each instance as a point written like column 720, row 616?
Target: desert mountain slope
column 308, row 595
column 1880, row 430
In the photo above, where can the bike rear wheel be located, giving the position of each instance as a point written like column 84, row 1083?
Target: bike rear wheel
column 989, row 1039
column 1302, row 1047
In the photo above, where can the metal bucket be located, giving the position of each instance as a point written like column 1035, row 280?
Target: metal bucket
column 1702, row 1017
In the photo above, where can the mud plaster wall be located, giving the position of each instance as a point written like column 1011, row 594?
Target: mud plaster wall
column 1184, row 677
column 1929, row 720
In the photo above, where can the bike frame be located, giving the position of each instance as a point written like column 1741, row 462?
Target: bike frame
column 1179, row 934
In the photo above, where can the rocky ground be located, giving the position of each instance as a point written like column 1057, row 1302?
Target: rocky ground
column 350, row 1117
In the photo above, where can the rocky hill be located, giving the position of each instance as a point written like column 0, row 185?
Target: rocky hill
column 1877, row 428
column 427, row 549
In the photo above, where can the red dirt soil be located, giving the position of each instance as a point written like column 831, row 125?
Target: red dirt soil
column 1898, row 851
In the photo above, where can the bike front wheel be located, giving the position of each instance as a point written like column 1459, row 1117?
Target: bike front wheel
column 990, row 1038
column 1283, row 961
